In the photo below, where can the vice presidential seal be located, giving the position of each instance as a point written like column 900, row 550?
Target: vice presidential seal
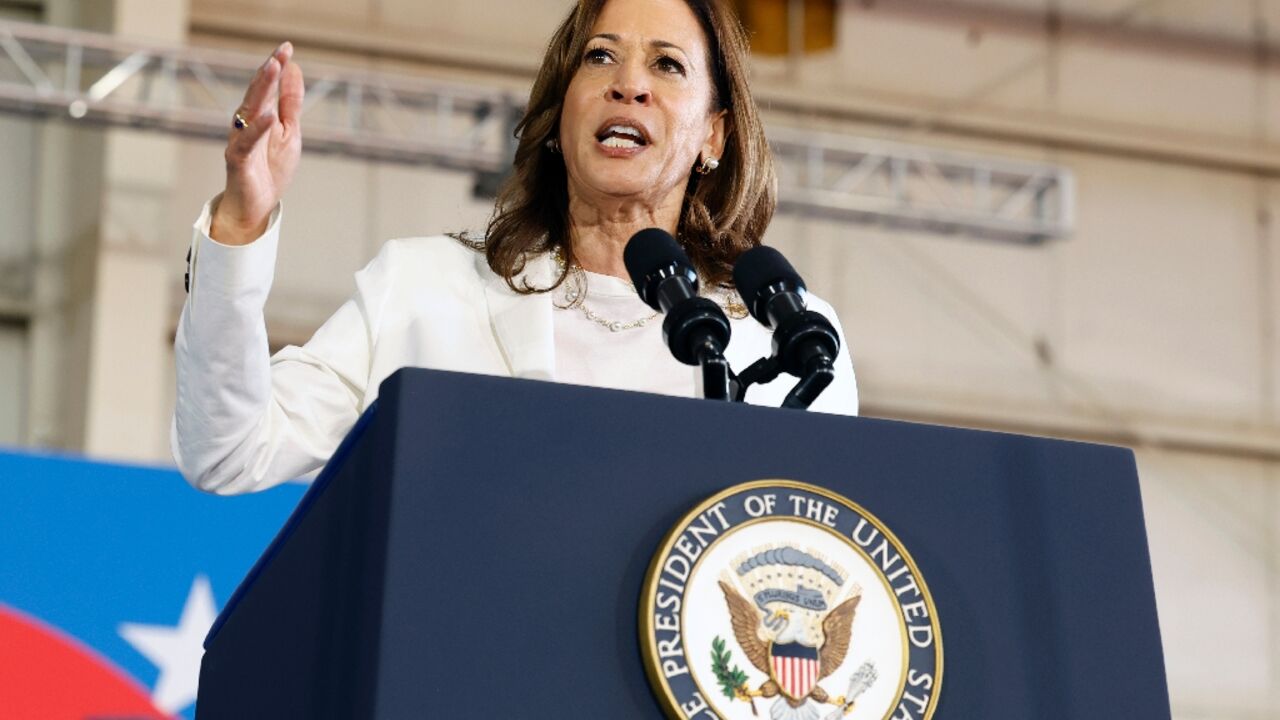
column 782, row 600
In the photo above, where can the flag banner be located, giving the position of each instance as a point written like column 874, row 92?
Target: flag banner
column 110, row 576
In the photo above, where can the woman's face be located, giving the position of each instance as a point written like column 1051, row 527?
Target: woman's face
column 638, row 112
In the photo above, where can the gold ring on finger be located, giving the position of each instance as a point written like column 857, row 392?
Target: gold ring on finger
column 239, row 122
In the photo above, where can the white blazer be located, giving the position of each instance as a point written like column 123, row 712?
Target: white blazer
column 245, row 421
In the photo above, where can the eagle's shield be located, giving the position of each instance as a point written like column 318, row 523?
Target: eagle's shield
column 795, row 668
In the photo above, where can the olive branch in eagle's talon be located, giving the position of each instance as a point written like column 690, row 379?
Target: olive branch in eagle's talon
column 733, row 682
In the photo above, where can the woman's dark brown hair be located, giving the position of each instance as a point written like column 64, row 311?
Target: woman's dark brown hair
column 725, row 212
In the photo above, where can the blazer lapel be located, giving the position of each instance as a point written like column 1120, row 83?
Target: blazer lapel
column 522, row 323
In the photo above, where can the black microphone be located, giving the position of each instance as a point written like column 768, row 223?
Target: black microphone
column 695, row 328
column 805, row 343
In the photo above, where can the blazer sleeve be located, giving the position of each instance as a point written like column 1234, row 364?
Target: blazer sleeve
column 245, row 421
column 841, row 396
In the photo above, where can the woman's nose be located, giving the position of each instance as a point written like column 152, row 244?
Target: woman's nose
column 628, row 86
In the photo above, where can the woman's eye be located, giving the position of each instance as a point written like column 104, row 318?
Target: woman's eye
column 670, row 65
column 597, row 56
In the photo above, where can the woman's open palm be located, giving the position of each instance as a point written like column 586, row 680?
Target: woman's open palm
column 263, row 156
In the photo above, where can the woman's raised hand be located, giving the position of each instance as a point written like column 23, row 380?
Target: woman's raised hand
column 263, row 156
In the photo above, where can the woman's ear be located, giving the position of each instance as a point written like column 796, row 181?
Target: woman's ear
column 714, row 145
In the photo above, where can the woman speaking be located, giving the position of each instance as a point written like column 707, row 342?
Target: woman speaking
column 640, row 117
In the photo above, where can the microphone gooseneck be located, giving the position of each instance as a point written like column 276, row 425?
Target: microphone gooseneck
column 695, row 328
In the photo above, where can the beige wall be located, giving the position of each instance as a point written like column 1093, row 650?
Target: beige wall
column 13, row 372
column 1212, row 527
column 17, row 230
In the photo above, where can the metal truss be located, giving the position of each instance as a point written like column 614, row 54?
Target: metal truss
column 921, row 188
column 55, row 72
column 96, row 77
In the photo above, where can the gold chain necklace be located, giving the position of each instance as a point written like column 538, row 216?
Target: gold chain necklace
column 575, row 296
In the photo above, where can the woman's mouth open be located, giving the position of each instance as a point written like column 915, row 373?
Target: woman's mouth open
column 621, row 137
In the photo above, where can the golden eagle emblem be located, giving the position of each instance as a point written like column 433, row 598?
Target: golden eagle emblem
column 789, row 631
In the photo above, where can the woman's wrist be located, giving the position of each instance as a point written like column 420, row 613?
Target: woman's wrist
column 229, row 232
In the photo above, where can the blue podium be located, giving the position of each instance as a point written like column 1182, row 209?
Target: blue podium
column 477, row 548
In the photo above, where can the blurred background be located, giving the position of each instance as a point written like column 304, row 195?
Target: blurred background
column 1050, row 217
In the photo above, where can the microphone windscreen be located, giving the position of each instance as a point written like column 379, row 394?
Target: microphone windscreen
column 757, row 269
column 649, row 250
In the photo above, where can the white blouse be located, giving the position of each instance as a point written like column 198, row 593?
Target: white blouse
column 588, row 352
